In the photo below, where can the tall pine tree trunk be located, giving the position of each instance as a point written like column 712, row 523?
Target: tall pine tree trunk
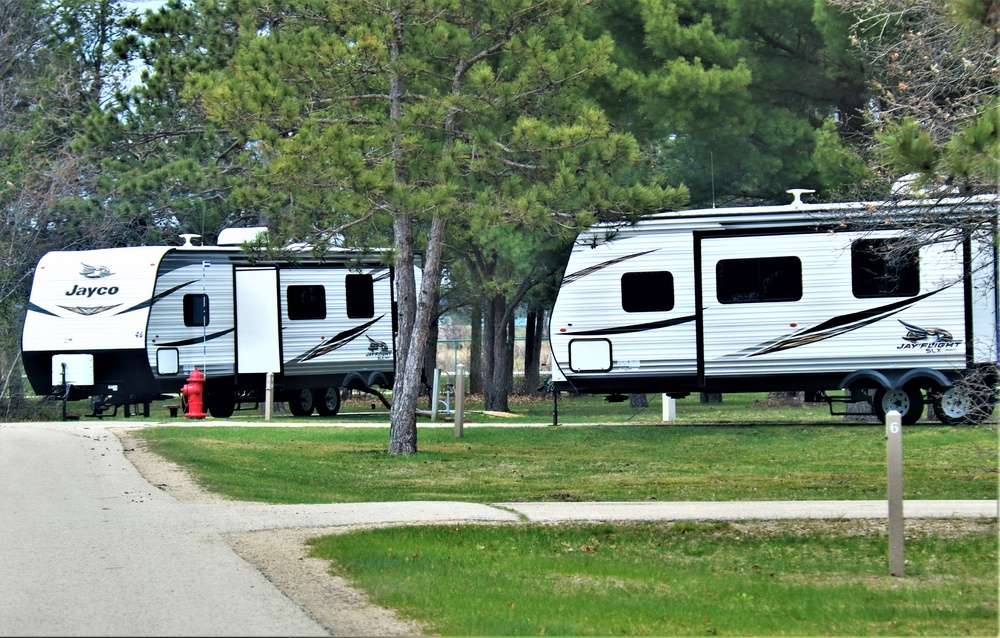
column 476, row 349
column 497, row 355
column 417, row 309
column 532, row 351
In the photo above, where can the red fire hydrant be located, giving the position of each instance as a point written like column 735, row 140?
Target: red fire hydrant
column 191, row 395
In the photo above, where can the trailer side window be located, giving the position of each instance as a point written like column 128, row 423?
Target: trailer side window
column 196, row 310
column 647, row 291
column 762, row 279
column 360, row 291
column 306, row 302
column 879, row 271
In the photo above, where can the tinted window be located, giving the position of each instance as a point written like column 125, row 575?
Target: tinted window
column 306, row 302
column 360, row 293
column 879, row 271
column 647, row 291
column 762, row 279
column 196, row 310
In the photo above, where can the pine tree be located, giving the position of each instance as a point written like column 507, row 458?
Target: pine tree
column 418, row 117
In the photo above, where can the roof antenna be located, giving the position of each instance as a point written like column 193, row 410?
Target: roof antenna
column 711, row 159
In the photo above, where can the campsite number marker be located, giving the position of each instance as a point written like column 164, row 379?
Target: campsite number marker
column 894, row 464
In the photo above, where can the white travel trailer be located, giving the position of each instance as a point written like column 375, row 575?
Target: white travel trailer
column 802, row 297
column 123, row 326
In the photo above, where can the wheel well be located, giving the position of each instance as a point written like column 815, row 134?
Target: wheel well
column 377, row 379
column 354, row 381
column 896, row 379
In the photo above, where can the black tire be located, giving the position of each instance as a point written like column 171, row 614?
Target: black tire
column 327, row 401
column 221, row 403
column 961, row 404
column 301, row 403
column 909, row 402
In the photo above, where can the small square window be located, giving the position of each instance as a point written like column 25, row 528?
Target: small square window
column 647, row 291
column 360, row 293
column 196, row 310
column 879, row 270
column 306, row 302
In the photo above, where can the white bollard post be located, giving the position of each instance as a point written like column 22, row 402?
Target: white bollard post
column 459, row 400
column 669, row 408
column 894, row 465
column 268, row 396
column 435, row 394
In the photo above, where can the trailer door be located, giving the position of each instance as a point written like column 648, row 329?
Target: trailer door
column 257, row 340
column 753, row 298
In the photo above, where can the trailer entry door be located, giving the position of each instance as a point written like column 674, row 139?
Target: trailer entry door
column 257, row 343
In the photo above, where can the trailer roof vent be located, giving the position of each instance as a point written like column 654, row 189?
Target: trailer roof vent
column 797, row 193
column 237, row 236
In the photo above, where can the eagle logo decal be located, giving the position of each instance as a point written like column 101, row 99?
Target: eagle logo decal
column 916, row 333
column 95, row 272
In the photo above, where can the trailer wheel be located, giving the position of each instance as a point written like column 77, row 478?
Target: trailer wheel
column 301, row 404
column 327, row 401
column 221, row 403
column 908, row 401
column 963, row 404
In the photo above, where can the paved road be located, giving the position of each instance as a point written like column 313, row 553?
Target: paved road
column 89, row 547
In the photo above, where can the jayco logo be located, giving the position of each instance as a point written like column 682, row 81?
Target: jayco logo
column 80, row 291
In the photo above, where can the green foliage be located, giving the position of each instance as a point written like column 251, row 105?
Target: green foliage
column 491, row 132
column 738, row 99
column 969, row 158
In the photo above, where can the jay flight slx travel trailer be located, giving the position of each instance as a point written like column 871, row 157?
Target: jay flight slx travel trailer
column 801, row 297
column 124, row 326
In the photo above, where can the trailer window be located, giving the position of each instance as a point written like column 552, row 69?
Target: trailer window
column 360, row 292
column 877, row 270
column 647, row 291
column 762, row 279
column 306, row 302
column 196, row 310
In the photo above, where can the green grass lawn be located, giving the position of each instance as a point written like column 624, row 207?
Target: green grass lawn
column 630, row 463
column 676, row 579
column 788, row 578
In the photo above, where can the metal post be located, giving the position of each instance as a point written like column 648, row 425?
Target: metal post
column 894, row 465
column 435, row 394
column 268, row 396
column 555, row 406
column 65, row 390
column 459, row 400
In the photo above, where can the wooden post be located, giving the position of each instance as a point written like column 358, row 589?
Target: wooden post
column 894, row 465
column 459, row 400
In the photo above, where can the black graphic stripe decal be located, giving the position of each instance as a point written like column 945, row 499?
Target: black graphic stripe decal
column 91, row 311
column 589, row 270
column 190, row 342
column 839, row 325
column 35, row 308
column 639, row 327
column 149, row 302
column 335, row 342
